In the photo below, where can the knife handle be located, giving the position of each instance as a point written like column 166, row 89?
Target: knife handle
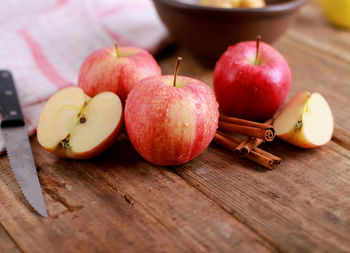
column 9, row 104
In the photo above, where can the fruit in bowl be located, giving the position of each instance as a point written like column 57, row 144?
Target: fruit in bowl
column 220, row 3
column 171, row 119
column 116, row 69
column 233, row 3
column 252, row 3
column 73, row 125
column 215, row 24
column 251, row 80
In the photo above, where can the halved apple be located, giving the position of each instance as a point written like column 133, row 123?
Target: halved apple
column 76, row 126
column 306, row 121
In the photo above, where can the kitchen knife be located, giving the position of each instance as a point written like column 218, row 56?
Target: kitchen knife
column 15, row 135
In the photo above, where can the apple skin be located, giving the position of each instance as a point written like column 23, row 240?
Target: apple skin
column 250, row 91
column 298, row 140
column 171, row 125
column 337, row 12
column 102, row 70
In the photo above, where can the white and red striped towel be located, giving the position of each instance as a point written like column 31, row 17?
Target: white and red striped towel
column 43, row 42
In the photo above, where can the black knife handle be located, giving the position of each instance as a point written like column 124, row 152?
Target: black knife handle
column 9, row 104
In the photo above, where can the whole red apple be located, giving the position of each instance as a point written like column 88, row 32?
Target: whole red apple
column 251, row 80
column 116, row 69
column 171, row 120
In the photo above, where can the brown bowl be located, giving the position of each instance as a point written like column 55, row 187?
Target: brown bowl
column 208, row 31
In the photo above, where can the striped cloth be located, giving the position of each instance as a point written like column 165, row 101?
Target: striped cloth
column 43, row 42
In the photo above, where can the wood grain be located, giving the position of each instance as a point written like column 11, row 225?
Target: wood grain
column 117, row 202
column 302, row 206
column 7, row 245
column 313, row 30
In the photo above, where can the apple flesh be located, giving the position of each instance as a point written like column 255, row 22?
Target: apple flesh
column 116, row 70
column 76, row 126
column 251, row 84
column 306, row 121
column 170, row 125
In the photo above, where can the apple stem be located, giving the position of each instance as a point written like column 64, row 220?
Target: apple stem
column 177, row 66
column 117, row 49
column 258, row 38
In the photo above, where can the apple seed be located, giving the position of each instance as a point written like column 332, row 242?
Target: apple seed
column 82, row 120
column 65, row 142
column 298, row 125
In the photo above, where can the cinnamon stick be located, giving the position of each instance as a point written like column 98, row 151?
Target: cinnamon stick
column 245, row 122
column 249, row 143
column 267, row 133
column 258, row 156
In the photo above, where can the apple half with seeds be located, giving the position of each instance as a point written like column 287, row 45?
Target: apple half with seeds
column 73, row 125
column 306, row 121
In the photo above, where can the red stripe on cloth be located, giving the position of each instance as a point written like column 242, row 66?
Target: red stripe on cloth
column 43, row 63
column 59, row 3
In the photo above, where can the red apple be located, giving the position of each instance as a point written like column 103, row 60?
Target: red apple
column 76, row 126
column 117, row 70
column 171, row 120
column 251, row 81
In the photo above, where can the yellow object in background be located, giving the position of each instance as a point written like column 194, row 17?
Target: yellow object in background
column 337, row 11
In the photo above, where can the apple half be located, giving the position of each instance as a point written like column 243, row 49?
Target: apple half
column 76, row 126
column 306, row 121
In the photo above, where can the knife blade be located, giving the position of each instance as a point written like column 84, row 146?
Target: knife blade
column 17, row 144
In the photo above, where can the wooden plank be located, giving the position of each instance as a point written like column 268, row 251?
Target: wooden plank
column 314, row 30
column 7, row 245
column 342, row 137
column 302, row 207
column 118, row 202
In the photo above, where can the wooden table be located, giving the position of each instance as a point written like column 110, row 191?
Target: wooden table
column 117, row 202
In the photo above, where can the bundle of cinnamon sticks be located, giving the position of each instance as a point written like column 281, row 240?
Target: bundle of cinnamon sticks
column 256, row 134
